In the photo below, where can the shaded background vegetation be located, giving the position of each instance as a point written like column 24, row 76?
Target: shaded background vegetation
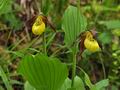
column 16, row 38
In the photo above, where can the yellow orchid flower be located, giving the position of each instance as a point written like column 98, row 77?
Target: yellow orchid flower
column 39, row 26
column 90, row 43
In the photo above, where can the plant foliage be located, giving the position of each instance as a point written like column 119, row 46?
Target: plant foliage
column 42, row 72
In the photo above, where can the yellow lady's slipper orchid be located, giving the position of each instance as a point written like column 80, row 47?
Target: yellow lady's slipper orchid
column 90, row 43
column 39, row 26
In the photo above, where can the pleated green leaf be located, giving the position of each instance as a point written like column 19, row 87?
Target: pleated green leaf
column 73, row 24
column 42, row 72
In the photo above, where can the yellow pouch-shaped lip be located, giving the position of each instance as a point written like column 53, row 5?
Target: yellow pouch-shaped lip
column 91, row 45
column 38, row 29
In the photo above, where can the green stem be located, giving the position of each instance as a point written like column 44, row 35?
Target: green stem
column 44, row 44
column 103, row 67
column 74, row 52
column 78, row 4
column 73, row 69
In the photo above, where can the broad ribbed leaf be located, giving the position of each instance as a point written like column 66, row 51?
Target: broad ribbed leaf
column 78, row 85
column 73, row 24
column 42, row 72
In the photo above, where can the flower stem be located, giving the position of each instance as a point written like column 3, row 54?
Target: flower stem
column 74, row 52
column 78, row 4
column 102, row 63
column 73, row 68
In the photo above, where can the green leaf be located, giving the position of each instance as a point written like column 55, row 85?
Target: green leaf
column 87, row 81
column 98, row 86
column 5, row 79
column 1, row 88
column 2, row 3
column 78, row 85
column 16, row 53
column 102, row 84
column 105, row 38
column 27, row 86
column 9, row 15
column 116, row 32
column 109, row 3
column 66, row 84
column 5, row 6
column 14, row 22
column 46, row 6
column 112, row 24
column 42, row 72
column 73, row 24
column 16, row 82
column 114, row 87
